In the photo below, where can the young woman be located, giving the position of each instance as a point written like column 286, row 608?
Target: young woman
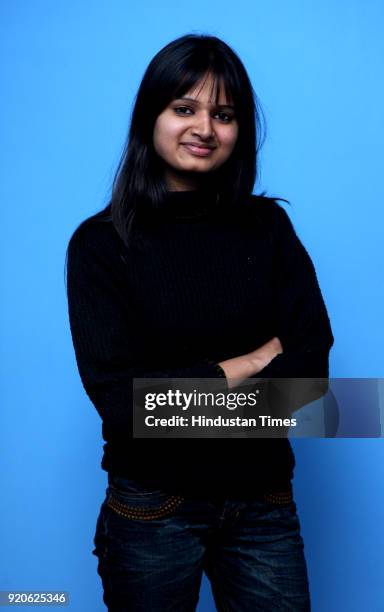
column 186, row 274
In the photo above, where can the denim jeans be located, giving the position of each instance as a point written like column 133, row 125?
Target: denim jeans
column 153, row 548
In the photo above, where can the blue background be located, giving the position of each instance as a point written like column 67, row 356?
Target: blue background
column 69, row 73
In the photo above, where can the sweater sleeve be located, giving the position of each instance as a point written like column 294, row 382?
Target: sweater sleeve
column 102, row 323
column 303, row 325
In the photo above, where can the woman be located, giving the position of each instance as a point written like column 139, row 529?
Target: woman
column 187, row 275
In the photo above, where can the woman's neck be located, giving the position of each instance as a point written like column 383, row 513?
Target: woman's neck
column 186, row 181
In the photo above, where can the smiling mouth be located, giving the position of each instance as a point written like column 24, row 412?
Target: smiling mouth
column 199, row 151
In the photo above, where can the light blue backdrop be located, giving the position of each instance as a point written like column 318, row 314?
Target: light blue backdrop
column 69, row 73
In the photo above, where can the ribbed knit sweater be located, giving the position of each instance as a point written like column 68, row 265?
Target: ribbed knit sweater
column 206, row 282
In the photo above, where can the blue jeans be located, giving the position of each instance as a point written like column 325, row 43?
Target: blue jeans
column 153, row 548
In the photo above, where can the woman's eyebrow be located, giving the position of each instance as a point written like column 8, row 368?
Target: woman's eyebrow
column 198, row 103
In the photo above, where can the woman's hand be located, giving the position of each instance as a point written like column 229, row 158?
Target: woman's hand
column 240, row 368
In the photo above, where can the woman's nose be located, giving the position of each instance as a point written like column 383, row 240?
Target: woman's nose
column 203, row 126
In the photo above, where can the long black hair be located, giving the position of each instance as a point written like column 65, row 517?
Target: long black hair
column 175, row 69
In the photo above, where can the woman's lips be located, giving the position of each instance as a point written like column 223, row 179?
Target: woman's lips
column 200, row 151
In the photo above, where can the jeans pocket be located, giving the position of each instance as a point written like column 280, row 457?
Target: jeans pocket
column 280, row 505
column 134, row 500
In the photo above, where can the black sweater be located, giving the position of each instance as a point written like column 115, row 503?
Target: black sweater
column 206, row 282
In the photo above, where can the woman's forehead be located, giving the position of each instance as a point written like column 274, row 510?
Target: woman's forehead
column 211, row 86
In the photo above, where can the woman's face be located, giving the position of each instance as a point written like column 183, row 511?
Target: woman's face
column 194, row 136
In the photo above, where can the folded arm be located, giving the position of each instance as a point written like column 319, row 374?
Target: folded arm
column 304, row 337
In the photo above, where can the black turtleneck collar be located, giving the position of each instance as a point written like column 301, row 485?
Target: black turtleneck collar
column 185, row 206
column 190, row 204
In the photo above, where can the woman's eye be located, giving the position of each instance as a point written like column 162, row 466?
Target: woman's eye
column 224, row 117
column 182, row 110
